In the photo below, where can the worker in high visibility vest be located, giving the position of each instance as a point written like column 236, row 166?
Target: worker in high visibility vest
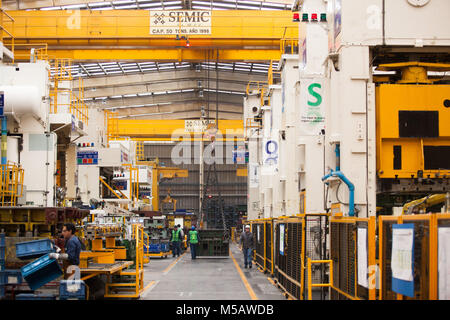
column 176, row 242
column 193, row 242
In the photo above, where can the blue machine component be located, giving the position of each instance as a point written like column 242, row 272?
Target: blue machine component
column 157, row 248
column 41, row 271
column 72, row 289
column 34, row 249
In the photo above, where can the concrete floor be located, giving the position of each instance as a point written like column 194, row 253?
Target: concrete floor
column 206, row 279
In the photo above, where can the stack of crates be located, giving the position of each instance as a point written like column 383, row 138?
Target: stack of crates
column 2, row 265
column 42, row 270
column 33, row 249
column 72, row 290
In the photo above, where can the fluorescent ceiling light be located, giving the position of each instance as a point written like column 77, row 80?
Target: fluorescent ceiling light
column 50, row 8
column 245, row 7
column 133, row 6
column 74, row 6
column 168, row 3
column 144, row 114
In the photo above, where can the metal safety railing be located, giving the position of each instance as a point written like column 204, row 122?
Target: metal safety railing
column 261, row 87
column 271, row 73
column 424, row 256
column 348, row 236
column 289, row 46
column 11, row 186
column 312, row 285
column 134, row 288
column 253, row 123
column 60, row 71
column 134, row 182
column 112, row 126
column 140, row 155
column 4, row 30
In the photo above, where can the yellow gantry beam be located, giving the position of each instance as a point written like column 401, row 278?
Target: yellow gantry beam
column 126, row 35
column 173, row 129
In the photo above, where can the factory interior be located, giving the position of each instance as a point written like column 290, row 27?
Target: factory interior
column 224, row 150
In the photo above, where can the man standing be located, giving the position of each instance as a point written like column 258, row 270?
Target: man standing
column 182, row 242
column 246, row 242
column 73, row 244
column 176, row 241
column 193, row 242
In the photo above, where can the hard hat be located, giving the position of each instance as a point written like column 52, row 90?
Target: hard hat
column 193, row 228
column 247, row 226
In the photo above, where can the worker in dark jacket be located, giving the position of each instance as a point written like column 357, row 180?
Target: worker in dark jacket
column 247, row 244
column 193, row 242
column 73, row 244
column 176, row 241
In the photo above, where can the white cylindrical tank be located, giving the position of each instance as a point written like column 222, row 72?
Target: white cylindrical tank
column 22, row 100
column 12, row 153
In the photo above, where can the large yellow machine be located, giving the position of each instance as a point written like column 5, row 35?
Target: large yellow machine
column 413, row 116
column 413, row 133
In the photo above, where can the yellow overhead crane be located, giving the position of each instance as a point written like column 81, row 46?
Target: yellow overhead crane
column 169, row 130
column 234, row 35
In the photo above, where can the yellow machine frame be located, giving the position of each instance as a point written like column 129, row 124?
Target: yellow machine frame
column 132, row 289
column 413, row 93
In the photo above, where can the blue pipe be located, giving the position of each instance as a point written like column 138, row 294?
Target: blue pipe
column 337, row 150
column 4, row 139
column 351, row 188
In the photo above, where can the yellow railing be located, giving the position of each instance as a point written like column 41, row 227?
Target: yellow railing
column 11, row 182
column 3, row 29
column 253, row 123
column 40, row 51
column 112, row 126
column 271, row 73
column 261, row 86
column 289, row 46
column 134, row 182
column 135, row 288
column 310, row 284
column 62, row 72
column 140, row 156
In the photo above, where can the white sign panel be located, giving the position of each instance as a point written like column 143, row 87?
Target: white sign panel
column 362, row 257
column 444, row 263
column 197, row 126
column 253, row 175
column 164, row 22
column 270, row 156
column 282, row 239
column 401, row 260
column 312, row 106
column 257, row 232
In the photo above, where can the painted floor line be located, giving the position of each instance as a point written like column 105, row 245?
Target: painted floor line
column 244, row 279
column 173, row 264
column 150, row 286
